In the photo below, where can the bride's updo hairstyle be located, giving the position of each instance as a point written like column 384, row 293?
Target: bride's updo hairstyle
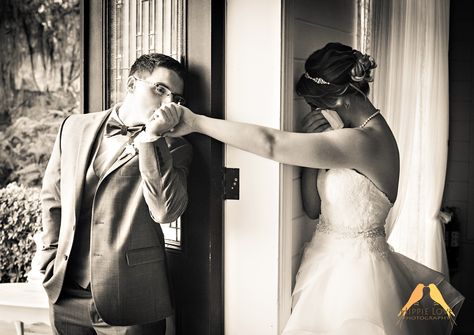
column 334, row 71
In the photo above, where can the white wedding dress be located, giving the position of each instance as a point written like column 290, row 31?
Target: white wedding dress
column 351, row 281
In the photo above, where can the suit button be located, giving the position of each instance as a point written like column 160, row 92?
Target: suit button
column 74, row 227
column 65, row 257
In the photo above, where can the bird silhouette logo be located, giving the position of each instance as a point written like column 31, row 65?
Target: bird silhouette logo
column 435, row 295
column 415, row 296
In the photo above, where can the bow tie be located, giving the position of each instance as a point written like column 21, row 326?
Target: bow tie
column 114, row 127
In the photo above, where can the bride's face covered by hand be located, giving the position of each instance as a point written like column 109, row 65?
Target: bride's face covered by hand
column 331, row 115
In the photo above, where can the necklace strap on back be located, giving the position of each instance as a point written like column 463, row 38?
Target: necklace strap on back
column 369, row 118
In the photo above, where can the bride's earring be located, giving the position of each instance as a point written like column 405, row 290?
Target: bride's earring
column 346, row 103
column 342, row 103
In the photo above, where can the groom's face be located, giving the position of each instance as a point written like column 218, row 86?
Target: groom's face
column 150, row 91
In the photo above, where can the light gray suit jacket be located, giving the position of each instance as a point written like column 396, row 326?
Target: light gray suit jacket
column 129, row 277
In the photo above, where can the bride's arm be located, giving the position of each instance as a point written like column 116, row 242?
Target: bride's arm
column 309, row 192
column 340, row 148
column 313, row 122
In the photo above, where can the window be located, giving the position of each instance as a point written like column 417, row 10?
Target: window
column 138, row 27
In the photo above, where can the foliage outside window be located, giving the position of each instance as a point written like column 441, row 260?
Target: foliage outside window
column 40, row 70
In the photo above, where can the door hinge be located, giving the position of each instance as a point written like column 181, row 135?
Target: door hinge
column 231, row 181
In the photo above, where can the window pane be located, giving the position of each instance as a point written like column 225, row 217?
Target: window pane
column 139, row 27
column 172, row 232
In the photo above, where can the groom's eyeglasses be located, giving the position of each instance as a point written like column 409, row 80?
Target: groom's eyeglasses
column 163, row 91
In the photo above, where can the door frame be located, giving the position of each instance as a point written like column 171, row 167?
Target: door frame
column 286, row 171
column 199, row 298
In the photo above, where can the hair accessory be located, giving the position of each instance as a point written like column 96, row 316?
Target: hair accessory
column 362, row 67
column 317, row 80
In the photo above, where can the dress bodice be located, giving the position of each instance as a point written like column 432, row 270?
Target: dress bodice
column 350, row 201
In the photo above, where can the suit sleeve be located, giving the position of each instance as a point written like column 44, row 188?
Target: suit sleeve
column 164, row 167
column 51, row 204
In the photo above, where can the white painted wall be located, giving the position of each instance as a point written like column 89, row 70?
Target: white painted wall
column 253, row 47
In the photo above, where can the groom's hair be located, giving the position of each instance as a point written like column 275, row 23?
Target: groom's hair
column 149, row 62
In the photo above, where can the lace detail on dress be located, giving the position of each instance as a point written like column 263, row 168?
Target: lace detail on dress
column 375, row 238
column 351, row 200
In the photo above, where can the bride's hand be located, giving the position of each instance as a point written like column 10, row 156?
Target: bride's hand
column 185, row 124
column 315, row 122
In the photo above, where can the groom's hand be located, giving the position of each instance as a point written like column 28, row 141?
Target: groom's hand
column 315, row 122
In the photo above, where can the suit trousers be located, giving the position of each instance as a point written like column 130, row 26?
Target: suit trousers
column 75, row 314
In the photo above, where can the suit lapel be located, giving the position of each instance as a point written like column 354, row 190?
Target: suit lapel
column 121, row 160
column 90, row 130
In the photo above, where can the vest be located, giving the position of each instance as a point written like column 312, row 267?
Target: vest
column 79, row 260
column 79, row 267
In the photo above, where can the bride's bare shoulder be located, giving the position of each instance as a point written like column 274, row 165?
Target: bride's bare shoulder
column 382, row 163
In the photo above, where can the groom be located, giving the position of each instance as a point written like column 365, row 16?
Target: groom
column 111, row 180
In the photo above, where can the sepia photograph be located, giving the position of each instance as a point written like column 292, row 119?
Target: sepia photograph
column 236, row 167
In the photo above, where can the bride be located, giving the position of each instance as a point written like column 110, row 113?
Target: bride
column 350, row 280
